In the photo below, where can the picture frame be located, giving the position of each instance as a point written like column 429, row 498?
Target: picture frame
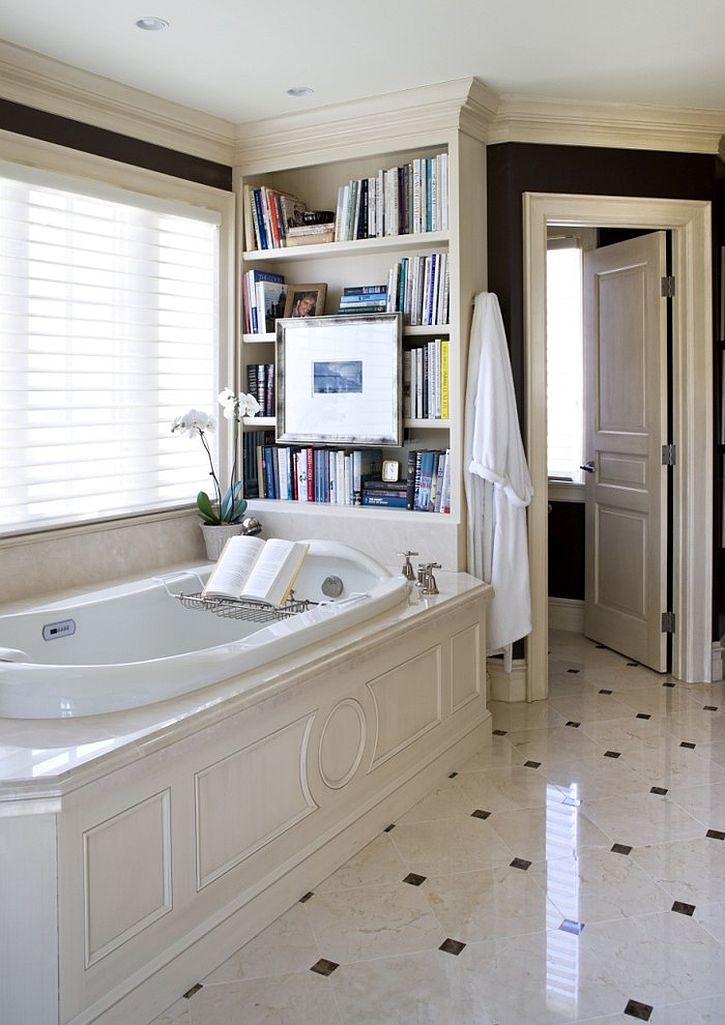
column 339, row 380
column 305, row 300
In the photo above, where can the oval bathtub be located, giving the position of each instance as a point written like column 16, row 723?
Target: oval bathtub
column 125, row 647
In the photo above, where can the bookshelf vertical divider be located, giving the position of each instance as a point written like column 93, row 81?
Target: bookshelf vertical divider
column 310, row 156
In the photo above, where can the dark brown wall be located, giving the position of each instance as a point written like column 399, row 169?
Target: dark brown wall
column 38, row 124
column 566, row 550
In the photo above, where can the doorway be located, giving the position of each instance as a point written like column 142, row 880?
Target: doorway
column 689, row 224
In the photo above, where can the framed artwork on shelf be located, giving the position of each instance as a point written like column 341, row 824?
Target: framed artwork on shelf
column 305, row 300
column 339, row 380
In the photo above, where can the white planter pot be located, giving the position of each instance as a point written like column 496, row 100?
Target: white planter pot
column 215, row 537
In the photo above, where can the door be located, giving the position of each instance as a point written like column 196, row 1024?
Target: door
column 625, row 387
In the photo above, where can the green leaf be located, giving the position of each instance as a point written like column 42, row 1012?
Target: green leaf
column 206, row 510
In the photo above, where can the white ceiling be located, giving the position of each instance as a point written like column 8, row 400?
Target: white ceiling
column 236, row 58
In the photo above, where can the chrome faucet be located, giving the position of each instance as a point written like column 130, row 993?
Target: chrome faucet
column 426, row 580
column 407, row 569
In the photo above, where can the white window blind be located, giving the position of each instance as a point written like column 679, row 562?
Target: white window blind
column 564, row 359
column 108, row 331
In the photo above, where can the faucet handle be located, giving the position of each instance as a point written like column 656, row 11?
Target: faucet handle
column 407, row 569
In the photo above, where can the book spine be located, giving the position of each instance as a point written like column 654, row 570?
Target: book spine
column 269, row 391
column 446, row 491
column 410, row 490
column 388, row 501
column 407, row 363
column 310, row 453
column 444, row 379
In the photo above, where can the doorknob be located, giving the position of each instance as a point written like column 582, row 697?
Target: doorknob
column 589, row 467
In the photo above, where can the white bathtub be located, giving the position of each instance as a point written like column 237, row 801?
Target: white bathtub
column 125, row 647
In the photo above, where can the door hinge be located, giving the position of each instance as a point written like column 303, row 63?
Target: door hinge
column 668, row 622
column 669, row 455
column 668, row 286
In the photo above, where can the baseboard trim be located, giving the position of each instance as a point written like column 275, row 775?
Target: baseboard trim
column 503, row 686
column 566, row 614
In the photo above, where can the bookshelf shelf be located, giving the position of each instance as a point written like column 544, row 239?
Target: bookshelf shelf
column 314, row 170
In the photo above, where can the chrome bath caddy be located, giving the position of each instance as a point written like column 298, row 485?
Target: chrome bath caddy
column 245, row 608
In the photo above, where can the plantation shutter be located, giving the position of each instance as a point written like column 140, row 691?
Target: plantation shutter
column 108, row 331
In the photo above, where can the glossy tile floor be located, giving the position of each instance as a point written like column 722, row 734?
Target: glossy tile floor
column 573, row 872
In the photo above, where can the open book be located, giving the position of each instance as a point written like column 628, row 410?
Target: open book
column 249, row 567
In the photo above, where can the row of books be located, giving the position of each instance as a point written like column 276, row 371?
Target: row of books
column 364, row 299
column 419, row 287
column 308, row 474
column 268, row 214
column 429, row 480
column 260, row 383
column 264, row 294
column 425, row 381
column 402, row 200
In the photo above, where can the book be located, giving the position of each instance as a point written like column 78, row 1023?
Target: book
column 258, row 570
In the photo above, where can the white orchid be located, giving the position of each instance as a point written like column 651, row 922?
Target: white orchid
column 230, row 506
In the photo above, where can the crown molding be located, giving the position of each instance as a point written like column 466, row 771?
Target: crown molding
column 36, row 81
column 398, row 120
column 618, row 125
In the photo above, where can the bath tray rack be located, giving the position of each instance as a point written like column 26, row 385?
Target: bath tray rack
column 245, row 608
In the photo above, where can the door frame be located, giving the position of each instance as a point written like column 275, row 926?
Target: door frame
column 689, row 222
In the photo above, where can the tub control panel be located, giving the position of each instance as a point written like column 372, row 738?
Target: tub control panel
column 63, row 628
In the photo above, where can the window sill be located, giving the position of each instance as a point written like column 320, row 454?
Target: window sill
column 566, row 491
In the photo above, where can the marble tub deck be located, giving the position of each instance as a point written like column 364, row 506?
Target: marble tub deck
column 573, row 873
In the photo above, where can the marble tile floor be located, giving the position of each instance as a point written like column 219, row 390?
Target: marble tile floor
column 573, row 872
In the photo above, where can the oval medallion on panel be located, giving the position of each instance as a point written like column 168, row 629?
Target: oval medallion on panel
column 342, row 743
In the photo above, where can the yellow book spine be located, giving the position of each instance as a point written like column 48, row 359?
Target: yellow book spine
column 444, row 379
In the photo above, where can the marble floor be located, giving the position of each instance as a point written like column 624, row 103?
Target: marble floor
column 573, row 872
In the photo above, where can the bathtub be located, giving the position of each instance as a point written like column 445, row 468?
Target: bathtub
column 126, row 647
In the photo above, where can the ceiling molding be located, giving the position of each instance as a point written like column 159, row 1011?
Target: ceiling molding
column 619, row 125
column 400, row 120
column 37, row 81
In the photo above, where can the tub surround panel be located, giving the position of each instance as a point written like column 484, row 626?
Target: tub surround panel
column 232, row 823
column 126, row 875
column 465, row 673
column 224, row 774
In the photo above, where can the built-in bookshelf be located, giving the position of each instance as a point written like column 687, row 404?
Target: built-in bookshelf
column 367, row 178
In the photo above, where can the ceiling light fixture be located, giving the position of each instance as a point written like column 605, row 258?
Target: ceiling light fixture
column 300, row 90
column 152, row 24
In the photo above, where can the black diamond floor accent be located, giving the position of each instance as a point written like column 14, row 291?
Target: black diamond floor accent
column 668, row 684
column 606, row 691
column 414, row 879
column 480, row 814
column 306, row 897
column 452, row 775
column 661, row 791
column 643, row 715
column 532, row 765
column 500, row 733
column 641, row 1012
column 571, row 723
column 573, row 670
column 612, row 754
column 633, row 663
column 568, row 925
column 715, row 834
column 521, row 863
column 324, row 967
column 688, row 744
column 452, row 946
column 620, row 848
column 388, row 828
column 601, row 645
column 682, row 908
column 194, row 989
column 709, row 708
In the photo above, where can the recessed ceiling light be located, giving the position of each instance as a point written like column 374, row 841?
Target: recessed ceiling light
column 300, row 90
column 151, row 24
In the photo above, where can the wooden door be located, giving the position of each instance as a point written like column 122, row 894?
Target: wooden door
column 625, row 375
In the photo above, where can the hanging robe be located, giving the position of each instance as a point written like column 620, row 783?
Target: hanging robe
column 496, row 479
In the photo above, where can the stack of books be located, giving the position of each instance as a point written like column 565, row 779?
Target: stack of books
column 364, row 299
column 263, row 300
column 268, row 215
column 387, row 494
column 310, row 234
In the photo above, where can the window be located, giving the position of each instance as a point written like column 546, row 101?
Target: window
column 108, row 330
column 564, row 359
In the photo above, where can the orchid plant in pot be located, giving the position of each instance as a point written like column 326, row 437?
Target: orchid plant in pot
column 221, row 513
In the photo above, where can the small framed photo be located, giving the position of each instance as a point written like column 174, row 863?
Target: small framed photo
column 305, row 300
column 339, row 380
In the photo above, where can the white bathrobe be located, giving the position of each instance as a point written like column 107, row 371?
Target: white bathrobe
column 496, row 479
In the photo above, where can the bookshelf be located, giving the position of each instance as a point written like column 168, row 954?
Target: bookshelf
column 352, row 143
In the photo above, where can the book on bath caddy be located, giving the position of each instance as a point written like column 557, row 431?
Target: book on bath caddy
column 253, row 569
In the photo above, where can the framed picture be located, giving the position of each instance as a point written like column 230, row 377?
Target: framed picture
column 339, row 380
column 305, row 300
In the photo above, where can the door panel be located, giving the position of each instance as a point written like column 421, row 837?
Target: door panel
column 625, row 372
